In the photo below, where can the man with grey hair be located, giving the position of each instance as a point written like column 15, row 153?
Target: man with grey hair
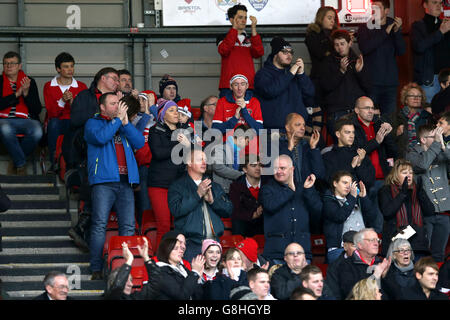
column 363, row 263
column 56, row 287
column 288, row 209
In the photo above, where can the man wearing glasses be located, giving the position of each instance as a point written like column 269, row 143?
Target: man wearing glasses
column 372, row 133
column 287, row 277
column 56, row 287
column 431, row 162
column 19, row 112
column 363, row 263
column 283, row 87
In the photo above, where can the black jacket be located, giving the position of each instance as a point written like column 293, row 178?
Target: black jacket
column 149, row 290
column 332, row 278
column 380, row 50
column 341, row 90
column 84, row 106
column 162, row 171
column 396, row 279
column 319, row 46
column 220, row 288
column 284, row 282
column 32, row 100
column 335, row 215
column 387, row 149
column 350, row 271
column 415, row 292
column 340, row 158
column 389, row 207
column 288, row 215
column 441, row 102
column 431, row 49
column 173, row 286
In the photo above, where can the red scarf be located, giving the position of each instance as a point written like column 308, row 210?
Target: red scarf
column 21, row 107
column 402, row 215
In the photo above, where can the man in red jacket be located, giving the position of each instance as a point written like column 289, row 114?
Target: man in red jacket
column 58, row 96
column 237, row 49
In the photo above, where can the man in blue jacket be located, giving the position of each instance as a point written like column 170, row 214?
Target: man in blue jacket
column 288, row 210
column 112, row 172
column 197, row 205
column 381, row 45
column 282, row 88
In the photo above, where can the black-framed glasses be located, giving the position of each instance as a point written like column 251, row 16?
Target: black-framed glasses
column 294, row 253
column 10, row 63
column 286, row 51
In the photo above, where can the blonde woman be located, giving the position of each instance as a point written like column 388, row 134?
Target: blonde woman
column 410, row 116
column 404, row 203
column 365, row 289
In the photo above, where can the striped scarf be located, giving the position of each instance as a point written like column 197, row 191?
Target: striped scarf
column 402, row 214
column 412, row 133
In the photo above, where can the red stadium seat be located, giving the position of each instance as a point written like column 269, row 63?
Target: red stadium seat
column 140, row 276
column 115, row 258
column 318, row 248
column 259, row 238
column 112, row 229
column 227, row 225
column 149, row 227
column 231, row 241
column 323, row 267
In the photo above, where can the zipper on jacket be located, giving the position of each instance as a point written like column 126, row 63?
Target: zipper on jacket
column 96, row 166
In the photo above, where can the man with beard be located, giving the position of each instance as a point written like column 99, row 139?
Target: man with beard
column 282, row 88
column 126, row 83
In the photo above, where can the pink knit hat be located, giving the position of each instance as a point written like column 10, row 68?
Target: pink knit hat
column 208, row 243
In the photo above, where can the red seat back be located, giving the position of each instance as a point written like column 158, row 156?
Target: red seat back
column 230, row 241
column 227, row 226
column 115, row 258
column 259, row 238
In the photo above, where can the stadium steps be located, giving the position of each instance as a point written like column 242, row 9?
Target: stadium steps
column 35, row 240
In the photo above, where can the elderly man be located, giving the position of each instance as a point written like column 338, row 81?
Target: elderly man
column 362, row 264
column 288, row 209
column 56, row 287
column 197, row 205
column 287, row 277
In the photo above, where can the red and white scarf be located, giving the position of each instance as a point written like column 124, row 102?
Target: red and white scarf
column 21, row 108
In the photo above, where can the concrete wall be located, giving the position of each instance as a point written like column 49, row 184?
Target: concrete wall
column 195, row 66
